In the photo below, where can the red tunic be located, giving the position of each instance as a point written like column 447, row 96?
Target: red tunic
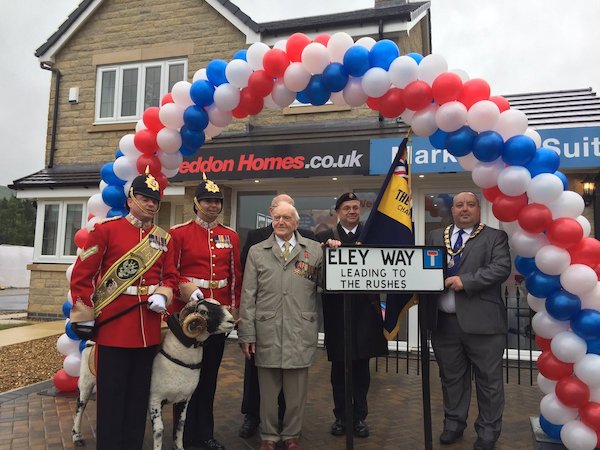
column 208, row 254
column 139, row 327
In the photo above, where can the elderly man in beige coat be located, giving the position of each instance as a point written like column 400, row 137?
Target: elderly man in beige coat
column 279, row 323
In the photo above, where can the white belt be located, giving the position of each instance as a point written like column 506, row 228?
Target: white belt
column 208, row 284
column 141, row 290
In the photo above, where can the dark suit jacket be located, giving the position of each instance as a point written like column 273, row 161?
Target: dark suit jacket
column 367, row 323
column 260, row 234
column 484, row 265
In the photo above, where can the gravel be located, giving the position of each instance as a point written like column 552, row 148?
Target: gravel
column 29, row 362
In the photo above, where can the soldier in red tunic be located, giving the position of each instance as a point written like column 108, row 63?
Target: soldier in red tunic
column 121, row 283
column 207, row 255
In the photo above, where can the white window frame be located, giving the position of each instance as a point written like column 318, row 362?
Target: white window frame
column 58, row 256
column 141, row 67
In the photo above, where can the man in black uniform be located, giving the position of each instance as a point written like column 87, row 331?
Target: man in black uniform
column 367, row 325
column 251, row 397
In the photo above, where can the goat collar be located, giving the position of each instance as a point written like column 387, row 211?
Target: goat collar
column 175, row 327
column 180, row 362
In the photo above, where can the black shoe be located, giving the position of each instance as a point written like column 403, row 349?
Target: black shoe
column 249, row 427
column 361, row 429
column 483, row 444
column 450, row 437
column 212, row 444
column 338, row 428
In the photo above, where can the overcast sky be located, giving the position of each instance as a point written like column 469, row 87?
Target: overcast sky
column 516, row 45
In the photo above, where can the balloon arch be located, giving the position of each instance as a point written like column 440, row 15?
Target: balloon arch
column 560, row 263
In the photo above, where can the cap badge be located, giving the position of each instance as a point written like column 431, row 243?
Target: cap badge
column 152, row 183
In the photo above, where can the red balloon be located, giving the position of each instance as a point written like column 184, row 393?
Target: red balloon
column 275, row 62
column 148, row 161
column 474, row 91
column 64, row 382
column 543, row 343
column 251, row 102
column 145, row 141
column 162, row 181
column 572, row 392
column 151, row 119
column 597, row 270
column 417, row 95
column 294, row 46
column 322, row 39
column 167, row 98
column 553, row 368
column 507, row 208
column 373, row 103
column 446, row 88
column 80, row 237
column 586, row 251
column 260, row 83
column 500, row 102
column 565, row 232
column 391, row 104
column 490, row 194
column 535, row 218
column 589, row 414
column 240, row 111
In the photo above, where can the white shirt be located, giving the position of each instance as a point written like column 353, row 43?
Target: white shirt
column 447, row 302
column 353, row 230
column 281, row 242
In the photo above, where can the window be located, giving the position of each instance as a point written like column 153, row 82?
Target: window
column 57, row 224
column 123, row 92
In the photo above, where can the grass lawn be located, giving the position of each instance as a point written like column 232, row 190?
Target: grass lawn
column 6, row 326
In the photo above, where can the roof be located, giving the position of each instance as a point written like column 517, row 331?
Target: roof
column 71, row 175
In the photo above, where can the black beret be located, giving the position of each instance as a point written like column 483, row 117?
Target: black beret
column 345, row 198
column 208, row 189
column 145, row 185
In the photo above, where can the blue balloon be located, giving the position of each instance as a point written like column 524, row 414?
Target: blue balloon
column 460, row 142
column 117, row 212
column 302, row 97
column 562, row 305
column 438, row 139
column 108, row 175
column 383, row 53
column 82, row 345
column 335, row 77
column 316, row 92
column 195, row 118
column 563, row 178
column 545, row 160
column 593, row 346
column 356, row 60
column 118, row 153
column 215, row 72
column 518, row 150
column 525, row 266
column 114, row 196
column 586, row 324
column 416, row 56
column 240, row 54
column 69, row 332
column 550, row 429
column 542, row 285
column 202, row 93
column 488, row 146
column 192, row 140
column 66, row 309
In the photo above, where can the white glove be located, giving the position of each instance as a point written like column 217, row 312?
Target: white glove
column 197, row 295
column 157, row 303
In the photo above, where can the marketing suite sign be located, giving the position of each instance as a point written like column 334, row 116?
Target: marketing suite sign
column 577, row 147
column 276, row 161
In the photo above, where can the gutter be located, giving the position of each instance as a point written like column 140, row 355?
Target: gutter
column 57, row 74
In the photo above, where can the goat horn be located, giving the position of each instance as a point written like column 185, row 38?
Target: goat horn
column 194, row 325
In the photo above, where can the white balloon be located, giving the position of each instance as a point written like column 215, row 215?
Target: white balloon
column 72, row 364
column 423, row 121
column 403, row 71
column 544, row 188
column 139, row 126
column 585, row 224
column 464, row 76
column 282, row 96
column 430, row 67
column 171, row 115
column 535, row 303
column 353, row 92
column 483, row 116
column 103, row 183
column 595, row 395
column 296, row 77
column 237, row 73
column 511, row 227
column 451, row 116
column 281, row 44
column 217, row 117
column 527, row 244
column 94, row 220
column 568, row 204
column 587, row 370
column 568, row 347
column 255, row 55
column 337, row 98
column 226, row 97
column 69, row 297
column 65, row 345
column 552, row 260
column 407, row 116
column 168, row 140
column 200, row 75
column 96, row 206
column 591, row 299
column 514, row 180
column 578, row 279
column 212, row 130
column 530, row 132
column 556, row 412
column 375, row 82
column 127, row 146
column 181, row 94
column 366, row 42
column 69, row 272
column 269, row 103
column 125, row 167
column 546, row 326
column 546, row 385
column 337, row 45
column 511, row 122
column 575, row 435
column 485, row 175
column 315, row 57
column 127, row 187
column 468, row 162
column 170, row 161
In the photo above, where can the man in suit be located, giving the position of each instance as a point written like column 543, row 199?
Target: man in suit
column 251, row 396
column 367, row 325
column 468, row 321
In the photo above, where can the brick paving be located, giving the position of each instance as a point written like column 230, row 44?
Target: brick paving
column 30, row 418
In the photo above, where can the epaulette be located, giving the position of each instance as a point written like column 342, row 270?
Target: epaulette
column 229, row 228
column 182, row 224
column 108, row 219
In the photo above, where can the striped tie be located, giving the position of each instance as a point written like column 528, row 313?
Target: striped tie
column 457, row 245
column 286, row 250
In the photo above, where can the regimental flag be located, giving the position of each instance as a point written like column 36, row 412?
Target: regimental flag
column 390, row 223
